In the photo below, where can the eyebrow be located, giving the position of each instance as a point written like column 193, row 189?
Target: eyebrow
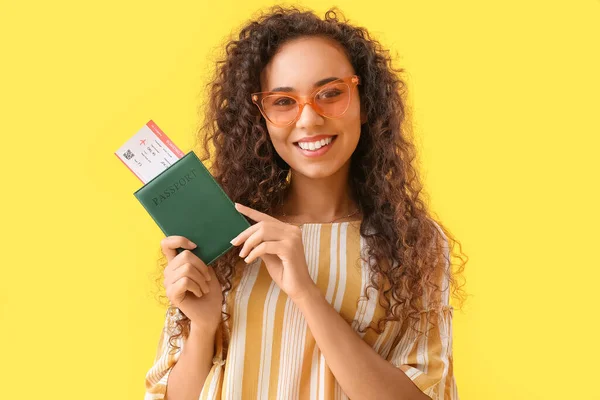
column 316, row 85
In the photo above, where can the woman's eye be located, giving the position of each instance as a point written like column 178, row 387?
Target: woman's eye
column 284, row 101
column 329, row 93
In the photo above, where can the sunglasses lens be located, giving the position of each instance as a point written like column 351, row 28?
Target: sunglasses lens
column 333, row 100
column 280, row 109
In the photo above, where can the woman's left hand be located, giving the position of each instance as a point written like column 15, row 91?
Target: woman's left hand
column 280, row 247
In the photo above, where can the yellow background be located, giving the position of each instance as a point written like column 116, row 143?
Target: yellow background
column 506, row 98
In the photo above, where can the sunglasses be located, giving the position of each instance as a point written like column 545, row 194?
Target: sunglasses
column 330, row 101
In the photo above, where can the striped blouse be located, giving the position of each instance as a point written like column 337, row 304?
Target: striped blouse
column 271, row 352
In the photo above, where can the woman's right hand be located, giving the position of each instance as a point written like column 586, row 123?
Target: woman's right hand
column 191, row 286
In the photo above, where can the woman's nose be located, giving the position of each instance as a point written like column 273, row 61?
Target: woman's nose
column 309, row 117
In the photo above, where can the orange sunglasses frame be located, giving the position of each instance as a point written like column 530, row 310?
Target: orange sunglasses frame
column 351, row 81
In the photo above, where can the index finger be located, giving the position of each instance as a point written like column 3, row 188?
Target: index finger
column 253, row 214
column 170, row 244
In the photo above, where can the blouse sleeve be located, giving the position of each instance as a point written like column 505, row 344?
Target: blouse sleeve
column 166, row 357
column 427, row 358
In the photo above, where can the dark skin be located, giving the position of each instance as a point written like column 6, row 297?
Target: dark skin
column 319, row 192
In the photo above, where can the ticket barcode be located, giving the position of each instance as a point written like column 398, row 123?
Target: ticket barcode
column 128, row 154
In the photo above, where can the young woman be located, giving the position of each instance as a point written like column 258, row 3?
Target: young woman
column 340, row 288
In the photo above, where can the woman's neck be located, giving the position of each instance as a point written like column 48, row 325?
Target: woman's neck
column 318, row 200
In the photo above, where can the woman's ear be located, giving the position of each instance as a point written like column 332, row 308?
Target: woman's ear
column 363, row 112
column 363, row 115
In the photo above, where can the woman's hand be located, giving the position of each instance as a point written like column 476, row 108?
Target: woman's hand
column 191, row 286
column 280, row 247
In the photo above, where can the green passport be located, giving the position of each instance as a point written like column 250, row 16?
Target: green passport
column 186, row 200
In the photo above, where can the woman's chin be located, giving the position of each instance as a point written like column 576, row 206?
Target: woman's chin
column 315, row 171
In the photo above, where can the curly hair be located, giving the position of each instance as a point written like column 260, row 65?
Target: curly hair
column 406, row 248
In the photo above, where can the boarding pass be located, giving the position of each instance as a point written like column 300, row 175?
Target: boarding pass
column 149, row 152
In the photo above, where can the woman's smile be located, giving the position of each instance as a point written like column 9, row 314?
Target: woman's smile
column 315, row 148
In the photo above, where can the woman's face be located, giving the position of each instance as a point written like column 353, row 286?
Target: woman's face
column 299, row 66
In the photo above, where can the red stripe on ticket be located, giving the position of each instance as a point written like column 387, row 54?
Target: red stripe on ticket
column 161, row 135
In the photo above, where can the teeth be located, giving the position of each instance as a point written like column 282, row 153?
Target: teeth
column 315, row 145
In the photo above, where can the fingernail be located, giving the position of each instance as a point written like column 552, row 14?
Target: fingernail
column 192, row 244
column 233, row 241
